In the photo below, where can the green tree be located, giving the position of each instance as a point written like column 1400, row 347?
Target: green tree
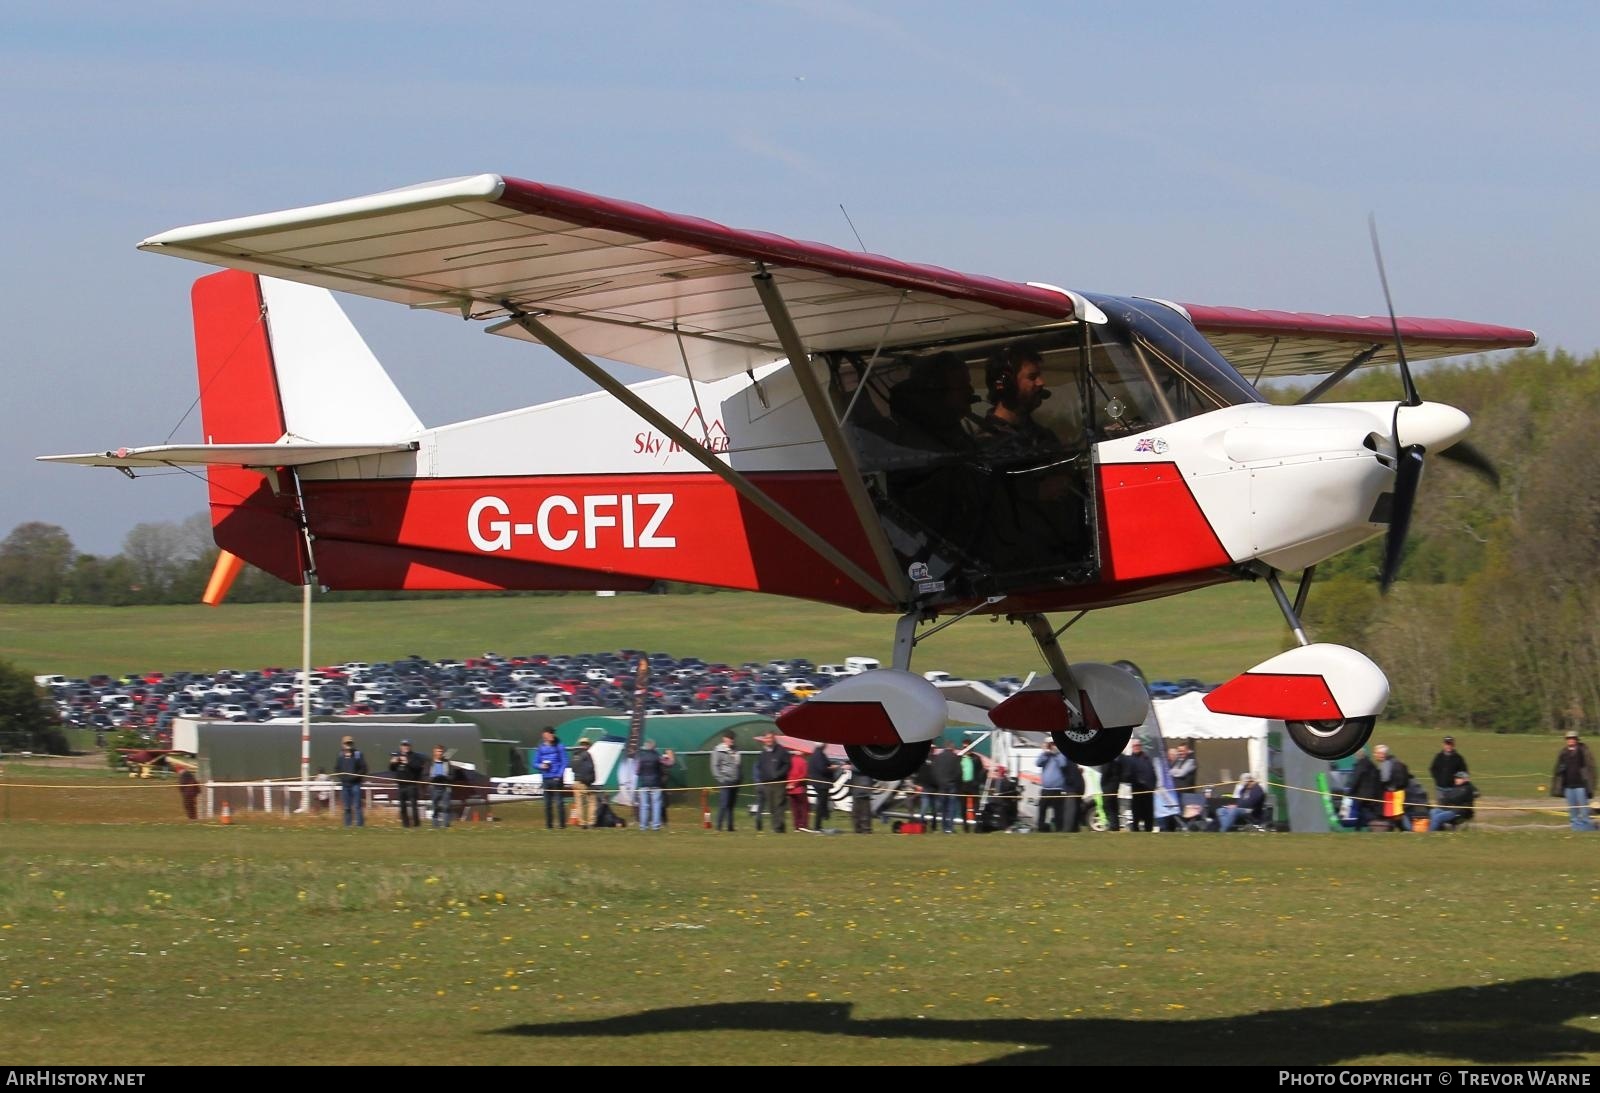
column 26, row 722
column 34, row 561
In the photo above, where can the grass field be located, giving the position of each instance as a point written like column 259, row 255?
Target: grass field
column 279, row 943
column 1212, row 634
column 130, row 937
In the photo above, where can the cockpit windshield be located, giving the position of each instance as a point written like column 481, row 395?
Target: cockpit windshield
column 977, row 454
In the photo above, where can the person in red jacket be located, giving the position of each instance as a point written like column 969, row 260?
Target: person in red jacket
column 799, row 806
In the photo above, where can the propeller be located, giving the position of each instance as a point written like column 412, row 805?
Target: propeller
column 1431, row 422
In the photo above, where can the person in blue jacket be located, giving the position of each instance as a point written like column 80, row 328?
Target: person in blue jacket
column 551, row 763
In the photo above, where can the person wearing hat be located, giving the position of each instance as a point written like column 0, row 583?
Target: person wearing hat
column 1447, row 764
column 1249, row 804
column 405, row 766
column 1455, row 803
column 583, row 779
column 350, row 769
column 1574, row 780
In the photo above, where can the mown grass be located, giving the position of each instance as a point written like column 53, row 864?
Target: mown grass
column 504, row 943
column 1213, row 633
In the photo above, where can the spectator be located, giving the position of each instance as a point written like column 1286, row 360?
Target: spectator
column 726, row 771
column 189, row 791
column 1393, row 776
column 1447, row 764
column 551, row 762
column 772, row 772
column 973, row 777
column 862, row 787
column 1111, row 793
column 583, row 779
column 1184, row 769
column 1455, row 803
column 820, row 774
column 440, row 780
column 1001, row 795
column 1574, row 779
column 1052, row 787
column 1138, row 773
column 351, row 769
column 1366, row 790
column 405, row 766
column 947, row 786
column 795, row 790
column 927, row 783
column 650, row 767
column 1249, row 804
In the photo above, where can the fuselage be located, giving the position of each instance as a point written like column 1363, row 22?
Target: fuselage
column 1151, row 468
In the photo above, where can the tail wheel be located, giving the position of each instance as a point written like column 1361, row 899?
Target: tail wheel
column 889, row 763
column 1092, row 747
column 1331, row 740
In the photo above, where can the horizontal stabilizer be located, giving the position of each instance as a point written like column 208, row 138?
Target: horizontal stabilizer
column 229, row 455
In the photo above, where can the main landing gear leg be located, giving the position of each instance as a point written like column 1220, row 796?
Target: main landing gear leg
column 1084, row 741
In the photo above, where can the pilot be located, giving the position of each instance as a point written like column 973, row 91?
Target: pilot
column 1036, row 516
column 1016, row 386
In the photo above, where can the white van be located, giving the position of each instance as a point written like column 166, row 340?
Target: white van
column 551, row 700
column 50, row 681
column 858, row 665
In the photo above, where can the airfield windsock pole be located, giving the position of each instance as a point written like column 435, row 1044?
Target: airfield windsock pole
column 305, row 697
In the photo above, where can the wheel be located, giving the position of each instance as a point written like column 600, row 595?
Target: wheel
column 1092, row 747
column 889, row 763
column 1331, row 740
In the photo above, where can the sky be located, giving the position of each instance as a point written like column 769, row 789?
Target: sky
column 1218, row 154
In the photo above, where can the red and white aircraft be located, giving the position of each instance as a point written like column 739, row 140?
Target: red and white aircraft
column 816, row 433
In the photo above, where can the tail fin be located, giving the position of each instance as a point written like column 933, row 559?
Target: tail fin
column 279, row 359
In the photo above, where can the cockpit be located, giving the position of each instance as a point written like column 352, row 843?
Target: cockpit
column 978, row 454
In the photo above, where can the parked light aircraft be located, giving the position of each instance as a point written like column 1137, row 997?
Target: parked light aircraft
column 818, row 431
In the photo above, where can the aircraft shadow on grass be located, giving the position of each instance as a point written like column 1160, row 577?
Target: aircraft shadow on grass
column 1523, row 1022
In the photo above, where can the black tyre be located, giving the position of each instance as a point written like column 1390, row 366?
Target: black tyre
column 889, row 763
column 1091, row 748
column 1331, row 740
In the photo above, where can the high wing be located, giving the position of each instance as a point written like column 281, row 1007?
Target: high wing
column 1294, row 343
column 228, row 455
column 675, row 293
column 616, row 280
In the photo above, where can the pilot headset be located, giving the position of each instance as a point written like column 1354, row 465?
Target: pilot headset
column 1000, row 374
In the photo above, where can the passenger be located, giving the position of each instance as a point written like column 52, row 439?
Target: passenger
column 933, row 405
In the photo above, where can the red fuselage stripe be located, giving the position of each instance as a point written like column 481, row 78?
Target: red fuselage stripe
column 1151, row 524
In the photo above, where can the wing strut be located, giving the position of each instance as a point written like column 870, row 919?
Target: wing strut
column 1344, row 370
column 843, row 458
column 689, row 444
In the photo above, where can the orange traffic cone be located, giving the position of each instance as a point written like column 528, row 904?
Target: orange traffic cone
column 225, row 814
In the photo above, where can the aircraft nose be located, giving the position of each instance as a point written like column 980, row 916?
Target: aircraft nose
column 1433, row 425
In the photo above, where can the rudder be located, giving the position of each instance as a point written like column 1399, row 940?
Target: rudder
column 239, row 404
